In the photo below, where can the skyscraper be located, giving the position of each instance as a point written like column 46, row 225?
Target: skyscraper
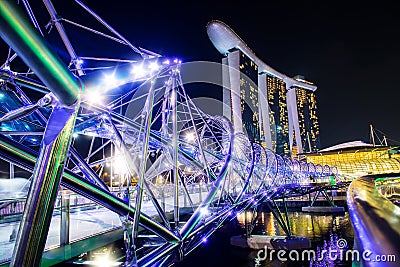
column 278, row 114
column 249, row 97
column 308, row 120
column 273, row 109
column 241, row 94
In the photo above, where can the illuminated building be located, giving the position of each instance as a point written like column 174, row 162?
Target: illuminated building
column 307, row 132
column 278, row 114
column 355, row 159
column 241, row 95
column 249, row 97
column 262, row 102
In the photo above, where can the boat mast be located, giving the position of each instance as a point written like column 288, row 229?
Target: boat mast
column 385, row 140
column 372, row 134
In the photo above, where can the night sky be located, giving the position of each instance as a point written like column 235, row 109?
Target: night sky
column 350, row 51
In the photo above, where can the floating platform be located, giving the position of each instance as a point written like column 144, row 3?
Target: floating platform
column 258, row 242
column 323, row 209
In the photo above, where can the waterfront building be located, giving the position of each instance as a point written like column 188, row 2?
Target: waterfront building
column 273, row 109
column 356, row 158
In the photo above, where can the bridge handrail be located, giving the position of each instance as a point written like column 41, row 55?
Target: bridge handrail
column 375, row 219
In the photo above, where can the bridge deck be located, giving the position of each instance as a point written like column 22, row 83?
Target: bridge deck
column 85, row 222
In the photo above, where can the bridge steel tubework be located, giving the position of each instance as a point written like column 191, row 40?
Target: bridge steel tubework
column 376, row 222
column 17, row 32
column 191, row 149
column 46, row 178
column 30, row 46
column 25, row 158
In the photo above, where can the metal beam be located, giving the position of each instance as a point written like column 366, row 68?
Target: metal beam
column 46, row 179
column 24, row 158
column 60, row 28
column 17, row 31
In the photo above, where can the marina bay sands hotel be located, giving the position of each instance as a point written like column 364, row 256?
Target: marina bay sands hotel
column 273, row 109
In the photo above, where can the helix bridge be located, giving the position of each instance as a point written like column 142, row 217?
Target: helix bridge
column 69, row 122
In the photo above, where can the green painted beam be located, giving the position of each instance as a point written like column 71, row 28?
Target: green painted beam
column 17, row 32
column 24, row 158
column 49, row 167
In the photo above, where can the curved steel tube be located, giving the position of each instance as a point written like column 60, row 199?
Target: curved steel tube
column 16, row 31
column 25, row 157
column 375, row 219
column 23, row 38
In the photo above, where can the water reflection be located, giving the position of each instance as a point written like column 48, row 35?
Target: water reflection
column 302, row 224
column 324, row 232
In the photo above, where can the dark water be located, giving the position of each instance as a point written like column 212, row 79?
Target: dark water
column 322, row 230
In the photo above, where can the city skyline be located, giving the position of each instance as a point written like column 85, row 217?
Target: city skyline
column 96, row 128
column 348, row 51
column 334, row 47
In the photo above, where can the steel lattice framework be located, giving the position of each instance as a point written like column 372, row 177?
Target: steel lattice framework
column 136, row 114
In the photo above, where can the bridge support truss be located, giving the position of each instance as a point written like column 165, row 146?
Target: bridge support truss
column 183, row 173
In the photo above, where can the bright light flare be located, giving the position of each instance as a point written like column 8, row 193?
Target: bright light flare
column 138, row 71
column 190, row 137
column 94, row 97
column 105, row 261
column 110, row 81
column 153, row 66
column 204, row 211
column 119, row 164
